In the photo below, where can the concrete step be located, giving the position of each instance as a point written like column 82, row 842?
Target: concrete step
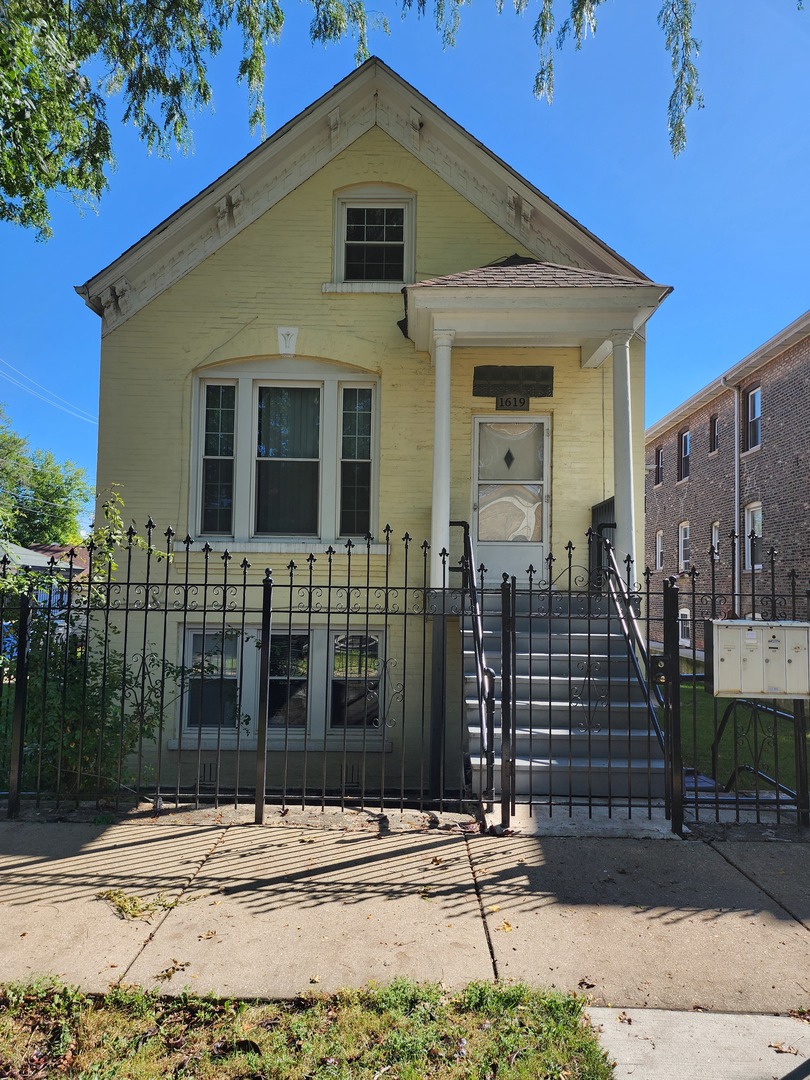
column 557, row 644
column 574, row 688
column 560, row 665
column 541, row 716
column 618, row 778
column 635, row 744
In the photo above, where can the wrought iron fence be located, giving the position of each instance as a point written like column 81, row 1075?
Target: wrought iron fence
column 177, row 676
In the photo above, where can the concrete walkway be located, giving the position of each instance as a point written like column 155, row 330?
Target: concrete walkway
column 675, row 943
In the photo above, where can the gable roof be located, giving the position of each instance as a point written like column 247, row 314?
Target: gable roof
column 372, row 95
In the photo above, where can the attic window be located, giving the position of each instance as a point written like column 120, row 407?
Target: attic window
column 374, row 243
column 373, row 240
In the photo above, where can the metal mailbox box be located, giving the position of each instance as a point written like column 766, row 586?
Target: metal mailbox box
column 753, row 658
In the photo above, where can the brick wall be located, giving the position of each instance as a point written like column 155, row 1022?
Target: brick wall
column 776, row 474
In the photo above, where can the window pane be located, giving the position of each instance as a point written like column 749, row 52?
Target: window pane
column 355, row 681
column 212, row 703
column 287, row 497
column 288, row 690
column 289, row 422
column 510, row 512
column 217, row 512
column 212, row 689
column 356, row 441
column 375, row 244
column 220, row 419
column 355, row 498
column 510, row 451
column 217, row 467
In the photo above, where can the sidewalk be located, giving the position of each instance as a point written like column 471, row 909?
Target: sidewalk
column 319, row 901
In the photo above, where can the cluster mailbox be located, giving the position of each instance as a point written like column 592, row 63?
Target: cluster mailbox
column 753, row 658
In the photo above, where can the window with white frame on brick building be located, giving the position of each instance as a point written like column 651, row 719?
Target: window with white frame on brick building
column 684, row 450
column 752, row 550
column 753, row 417
column 715, row 541
column 684, row 547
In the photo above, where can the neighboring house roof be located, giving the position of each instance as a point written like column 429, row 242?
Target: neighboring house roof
column 797, row 331
column 372, row 95
column 23, row 558
column 518, row 272
column 60, row 553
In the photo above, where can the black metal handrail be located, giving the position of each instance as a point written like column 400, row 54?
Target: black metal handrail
column 484, row 675
column 623, row 602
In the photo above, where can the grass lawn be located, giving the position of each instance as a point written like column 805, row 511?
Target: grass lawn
column 749, row 737
column 399, row 1032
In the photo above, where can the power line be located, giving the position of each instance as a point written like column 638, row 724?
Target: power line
column 72, row 410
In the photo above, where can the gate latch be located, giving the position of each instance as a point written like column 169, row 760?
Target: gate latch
column 660, row 663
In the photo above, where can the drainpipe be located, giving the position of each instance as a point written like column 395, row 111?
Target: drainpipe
column 741, row 540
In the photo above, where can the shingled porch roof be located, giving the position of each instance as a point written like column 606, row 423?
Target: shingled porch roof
column 520, row 272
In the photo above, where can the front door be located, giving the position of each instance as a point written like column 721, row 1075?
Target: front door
column 511, row 495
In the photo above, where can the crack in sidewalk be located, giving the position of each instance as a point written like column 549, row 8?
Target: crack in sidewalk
column 760, row 886
column 480, row 898
column 183, row 890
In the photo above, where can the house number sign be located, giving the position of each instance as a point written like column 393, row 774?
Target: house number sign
column 513, row 402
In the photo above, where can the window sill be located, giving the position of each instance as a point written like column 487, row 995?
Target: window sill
column 683, row 480
column 373, row 743
column 285, row 547
column 363, row 286
column 751, row 450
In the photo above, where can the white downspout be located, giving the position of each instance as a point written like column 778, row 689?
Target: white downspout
column 737, row 508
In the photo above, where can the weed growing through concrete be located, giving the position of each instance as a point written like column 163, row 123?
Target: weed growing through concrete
column 404, row 1030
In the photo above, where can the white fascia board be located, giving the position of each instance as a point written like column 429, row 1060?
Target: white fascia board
column 373, row 94
column 797, row 331
column 582, row 317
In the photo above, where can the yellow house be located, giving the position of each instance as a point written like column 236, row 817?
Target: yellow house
column 369, row 328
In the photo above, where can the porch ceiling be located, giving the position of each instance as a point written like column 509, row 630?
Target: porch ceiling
column 511, row 315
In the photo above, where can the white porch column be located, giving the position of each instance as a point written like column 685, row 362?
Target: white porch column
column 623, row 485
column 440, row 513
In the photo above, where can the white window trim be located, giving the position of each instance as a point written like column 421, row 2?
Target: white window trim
column 371, row 195
column 750, row 510
column 684, row 532
column 684, row 615
column 715, row 541
column 248, row 377
column 317, row 735
column 659, row 549
column 751, row 395
column 684, row 440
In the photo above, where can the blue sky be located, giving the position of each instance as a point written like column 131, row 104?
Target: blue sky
column 727, row 223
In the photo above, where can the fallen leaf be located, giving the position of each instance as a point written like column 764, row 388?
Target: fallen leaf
column 494, row 907
column 585, row 984
column 780, row 1048
column 314, row 978
column 207, row 935
column 505, row 926
column 623, row 1018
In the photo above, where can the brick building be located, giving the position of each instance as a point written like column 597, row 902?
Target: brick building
column 735, row 459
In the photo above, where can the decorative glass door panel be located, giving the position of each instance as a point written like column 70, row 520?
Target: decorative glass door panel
column 510, row 487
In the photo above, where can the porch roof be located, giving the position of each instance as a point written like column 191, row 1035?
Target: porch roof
column 519, row 301
column 520, row 272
